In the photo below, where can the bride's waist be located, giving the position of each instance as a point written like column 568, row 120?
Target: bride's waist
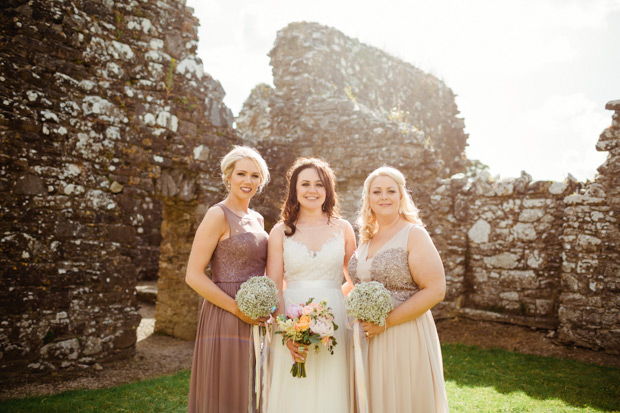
column 303, row 284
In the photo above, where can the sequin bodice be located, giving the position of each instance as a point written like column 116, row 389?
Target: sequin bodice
column 244, row 253
column 389, row 266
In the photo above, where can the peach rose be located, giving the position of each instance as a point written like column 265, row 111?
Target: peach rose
column 303, row 324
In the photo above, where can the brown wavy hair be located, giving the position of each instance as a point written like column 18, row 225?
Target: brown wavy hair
column 290, row 209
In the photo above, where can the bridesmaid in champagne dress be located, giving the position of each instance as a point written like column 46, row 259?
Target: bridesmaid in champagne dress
column 232, row 239
column 405, row 370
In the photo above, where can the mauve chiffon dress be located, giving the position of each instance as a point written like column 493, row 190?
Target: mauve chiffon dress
column 223, row 366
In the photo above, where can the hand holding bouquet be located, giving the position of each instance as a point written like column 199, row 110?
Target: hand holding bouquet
column 308, row 324
column 369, row 301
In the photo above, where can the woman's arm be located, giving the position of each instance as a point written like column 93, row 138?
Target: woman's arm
column 427, row 271
column 209, row 232
column 275, row 262
column 349, row 248
column 275, row 271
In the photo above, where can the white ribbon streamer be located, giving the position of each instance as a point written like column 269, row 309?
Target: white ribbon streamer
column 257, row 362
column 261, row 361
column 360, row 376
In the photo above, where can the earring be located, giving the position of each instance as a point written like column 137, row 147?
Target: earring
column 400, row 210
column 228, row 185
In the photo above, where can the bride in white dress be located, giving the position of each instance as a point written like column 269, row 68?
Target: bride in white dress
column 308, row 253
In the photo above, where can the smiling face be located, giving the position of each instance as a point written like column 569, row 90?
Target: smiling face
column 384, row 196
column 245, row 179
column 310, row 189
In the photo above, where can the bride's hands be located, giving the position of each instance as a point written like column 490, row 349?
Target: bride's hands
column 299, row 355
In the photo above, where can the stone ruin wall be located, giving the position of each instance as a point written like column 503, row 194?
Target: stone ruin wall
column 513, row 229
column 335, row 98
column 330, row 99
column 589, row 304
column 515, row 250
column 539, row 253
column 111, row 135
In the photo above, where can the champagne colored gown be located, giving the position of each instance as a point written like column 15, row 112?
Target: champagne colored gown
column 405, row 369
column 223, row 365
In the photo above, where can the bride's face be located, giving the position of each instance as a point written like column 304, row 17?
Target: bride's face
column 384, row 196
column 310, row 189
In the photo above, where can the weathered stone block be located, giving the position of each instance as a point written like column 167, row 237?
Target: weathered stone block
column 524, row 232
column 479, row 232
column 504, row 260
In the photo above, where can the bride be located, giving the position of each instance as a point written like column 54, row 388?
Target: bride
column 308, row 253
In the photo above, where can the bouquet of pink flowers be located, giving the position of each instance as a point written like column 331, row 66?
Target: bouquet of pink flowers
column 308, row 324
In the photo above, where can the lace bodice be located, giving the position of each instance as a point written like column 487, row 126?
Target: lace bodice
column 389, row 266
column 304, row 264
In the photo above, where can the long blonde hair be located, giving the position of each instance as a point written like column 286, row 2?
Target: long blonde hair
column 367, row 220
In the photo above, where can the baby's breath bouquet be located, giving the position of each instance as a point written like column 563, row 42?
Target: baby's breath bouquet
column 369, row 301
column 257, row 297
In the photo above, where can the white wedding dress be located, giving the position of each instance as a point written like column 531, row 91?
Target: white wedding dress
column 313, row 272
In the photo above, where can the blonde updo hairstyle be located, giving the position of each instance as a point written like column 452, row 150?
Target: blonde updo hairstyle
column 367, row 220
column 227, row 165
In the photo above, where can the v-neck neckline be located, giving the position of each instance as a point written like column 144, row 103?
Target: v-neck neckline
column 383, row 246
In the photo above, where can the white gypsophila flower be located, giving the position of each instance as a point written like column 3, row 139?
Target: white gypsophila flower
column 369, row 301
column 257, row 297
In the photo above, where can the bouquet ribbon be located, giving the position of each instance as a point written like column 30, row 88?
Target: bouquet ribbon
column 360, row 376
column 261, row 350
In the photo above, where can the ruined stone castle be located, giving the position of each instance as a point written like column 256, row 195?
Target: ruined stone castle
column 111, row 133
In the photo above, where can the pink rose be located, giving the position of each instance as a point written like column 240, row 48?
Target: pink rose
column 307, row 309
column 294, row 311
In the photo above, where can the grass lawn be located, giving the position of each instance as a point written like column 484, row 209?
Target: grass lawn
column 476, row 380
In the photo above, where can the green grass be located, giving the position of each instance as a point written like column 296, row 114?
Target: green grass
column 164, row 394
column 500, row 381
column 476, row 380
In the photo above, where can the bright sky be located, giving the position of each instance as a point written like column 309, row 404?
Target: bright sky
column 531, row 76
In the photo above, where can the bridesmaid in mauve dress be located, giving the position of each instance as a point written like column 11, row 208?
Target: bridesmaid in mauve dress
column 232, row 239
column 405, row 371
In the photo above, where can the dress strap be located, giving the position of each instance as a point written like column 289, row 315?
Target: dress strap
column 403, row 237
column 233, row 220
